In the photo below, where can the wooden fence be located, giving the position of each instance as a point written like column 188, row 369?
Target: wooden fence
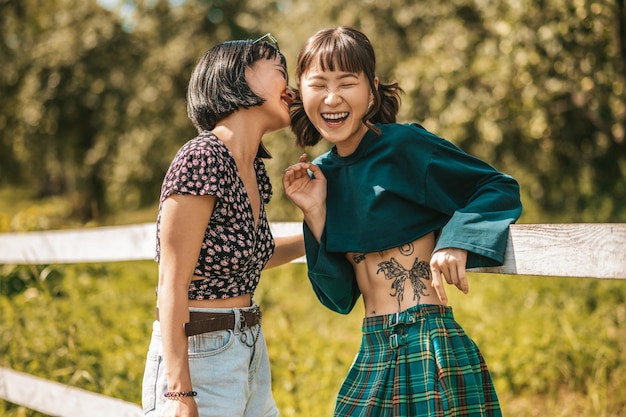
column 557, row 250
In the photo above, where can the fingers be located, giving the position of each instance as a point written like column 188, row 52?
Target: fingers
column 297, row 170
column 437, row 284
column 462, row 282
column 316, row 171
column 449, row 264
column 456, row 276
column 301, row 165
column 302, row 180
column 295, row 178
column 302, row 168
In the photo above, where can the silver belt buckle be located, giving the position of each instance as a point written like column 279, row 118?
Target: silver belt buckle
column 393, row 341
column 393, row 323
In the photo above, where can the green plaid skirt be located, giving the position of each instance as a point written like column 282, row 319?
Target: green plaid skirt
column 418, row 362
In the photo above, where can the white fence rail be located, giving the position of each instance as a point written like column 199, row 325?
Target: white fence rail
column 100, row 244
column 563, row 250
column 559, row 250
column 56, row 399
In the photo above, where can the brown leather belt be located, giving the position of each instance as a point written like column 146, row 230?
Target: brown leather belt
column 200, row 322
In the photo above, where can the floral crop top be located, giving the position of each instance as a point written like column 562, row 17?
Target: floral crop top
column 232, row 253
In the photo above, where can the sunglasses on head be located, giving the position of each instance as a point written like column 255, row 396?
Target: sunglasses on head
column 269, row 38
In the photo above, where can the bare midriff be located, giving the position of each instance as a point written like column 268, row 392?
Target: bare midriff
column 396, row 279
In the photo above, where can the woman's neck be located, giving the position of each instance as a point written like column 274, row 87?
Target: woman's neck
column 240, row 135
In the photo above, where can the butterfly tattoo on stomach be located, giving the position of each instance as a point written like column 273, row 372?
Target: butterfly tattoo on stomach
column 396, row 272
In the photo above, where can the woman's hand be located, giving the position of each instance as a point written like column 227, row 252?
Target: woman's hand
column 306, row 192
column 181, row 407
column 451, row 263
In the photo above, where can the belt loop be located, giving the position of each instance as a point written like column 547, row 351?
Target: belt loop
column 393, row 341
column 242, row 324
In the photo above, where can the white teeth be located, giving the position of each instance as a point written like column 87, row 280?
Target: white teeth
column 334, row 116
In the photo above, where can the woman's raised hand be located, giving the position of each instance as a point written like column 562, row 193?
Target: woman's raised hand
column 305, row 185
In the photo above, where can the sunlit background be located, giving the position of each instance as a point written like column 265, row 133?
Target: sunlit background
column 92, row 110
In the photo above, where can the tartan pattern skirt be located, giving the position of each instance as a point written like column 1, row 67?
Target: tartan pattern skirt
column 418, row 362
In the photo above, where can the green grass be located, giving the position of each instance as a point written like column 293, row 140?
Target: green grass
column 556, row 346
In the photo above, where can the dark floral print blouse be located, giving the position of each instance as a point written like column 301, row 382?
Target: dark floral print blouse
column 233, row 253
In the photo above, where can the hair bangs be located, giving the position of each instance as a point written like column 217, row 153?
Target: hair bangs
column 336, row 50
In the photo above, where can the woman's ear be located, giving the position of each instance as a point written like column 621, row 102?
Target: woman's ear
column 371, row 97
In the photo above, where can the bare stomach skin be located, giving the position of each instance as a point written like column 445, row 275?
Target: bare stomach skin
column 240, row 301
column 395, row 279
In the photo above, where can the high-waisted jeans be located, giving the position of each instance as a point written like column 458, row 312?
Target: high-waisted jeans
column 229, row 371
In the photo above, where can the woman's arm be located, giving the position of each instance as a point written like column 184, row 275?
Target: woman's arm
column 482, row 202
column 331, row 275
column 184, row 219
column 287, row 249
column 305, row 185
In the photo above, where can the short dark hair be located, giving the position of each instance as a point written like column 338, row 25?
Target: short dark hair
column 342, row 49
column 218, row 85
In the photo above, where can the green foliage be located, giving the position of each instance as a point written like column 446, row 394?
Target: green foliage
column 17, row 279
column 89, row 330
column 556, row 340
column 18, row 214
column 94, row 99
column 554, row 346
column 536, row 88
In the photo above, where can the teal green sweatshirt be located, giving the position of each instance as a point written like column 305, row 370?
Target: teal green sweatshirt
column 398, row 187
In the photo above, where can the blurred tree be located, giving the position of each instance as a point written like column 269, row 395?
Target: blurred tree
column 93, row 100
column 175, row 37
column 62, row 91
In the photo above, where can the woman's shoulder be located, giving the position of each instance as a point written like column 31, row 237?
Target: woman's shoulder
column 407, row 131
column 408, row 135
column 201, row 166
column 204, row 142
column 206, row 145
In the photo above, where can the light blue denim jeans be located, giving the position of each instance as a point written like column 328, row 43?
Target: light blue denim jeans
column 231, row 378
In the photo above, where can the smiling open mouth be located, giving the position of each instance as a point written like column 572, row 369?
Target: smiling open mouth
column 335, row 117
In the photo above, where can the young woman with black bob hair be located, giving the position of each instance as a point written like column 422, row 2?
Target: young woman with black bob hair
column 389, row 212
column 207, row 356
